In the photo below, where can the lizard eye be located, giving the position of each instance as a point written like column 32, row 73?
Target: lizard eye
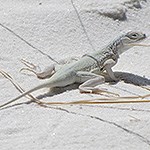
column 134, row 36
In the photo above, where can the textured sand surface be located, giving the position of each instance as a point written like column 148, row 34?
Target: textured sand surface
column 53, row 27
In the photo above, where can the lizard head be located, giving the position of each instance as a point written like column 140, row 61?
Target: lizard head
column 129, row 40
column 132, row 37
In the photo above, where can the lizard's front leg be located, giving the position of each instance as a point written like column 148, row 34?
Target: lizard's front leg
column 89, row 82
column 108, row 65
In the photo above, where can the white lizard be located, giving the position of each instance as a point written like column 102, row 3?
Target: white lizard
column 89, row 68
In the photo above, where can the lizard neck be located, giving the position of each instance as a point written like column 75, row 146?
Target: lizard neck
column 105, row 54
column 118, row 47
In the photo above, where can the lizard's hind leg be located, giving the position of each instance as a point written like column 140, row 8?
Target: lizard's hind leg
column 90, row 81
column 48, row 72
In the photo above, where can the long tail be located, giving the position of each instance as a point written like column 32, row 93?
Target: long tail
column 25, row 93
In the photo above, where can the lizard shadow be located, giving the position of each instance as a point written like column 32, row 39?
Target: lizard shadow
column 58, row 90
column 128, row 78
column 132, row 78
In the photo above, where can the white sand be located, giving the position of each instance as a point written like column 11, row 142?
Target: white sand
column 53, row 27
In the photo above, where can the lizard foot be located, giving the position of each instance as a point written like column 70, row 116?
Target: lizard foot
column 30, row 67
column 47, row 73
column 99, row 91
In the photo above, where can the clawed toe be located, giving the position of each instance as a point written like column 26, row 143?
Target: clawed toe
column 28, row 64
column 98, row 91
column 30, row 67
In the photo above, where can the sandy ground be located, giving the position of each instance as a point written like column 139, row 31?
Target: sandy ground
column 53, row 27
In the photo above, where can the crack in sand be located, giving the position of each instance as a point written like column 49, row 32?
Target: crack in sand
column 82, row 25
column 29, row 44
column 119, row 108
column 142, row 138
